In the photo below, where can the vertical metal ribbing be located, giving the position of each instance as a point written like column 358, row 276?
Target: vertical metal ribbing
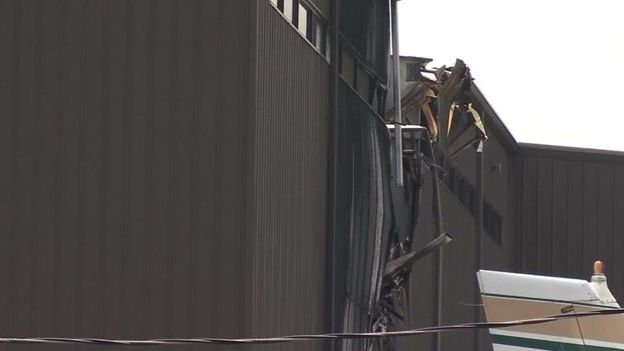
column 105, row 130
column 12, row 191
column 439, row 256
column 173, row 127
column 333, row 152
column 398, row 140
column 126, row 162
column 149, row 166
column 35, row 202
column 82, row 161
column 193, row 260
column 479, row 236
column 60, row 121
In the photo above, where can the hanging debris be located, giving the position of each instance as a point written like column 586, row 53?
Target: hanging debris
column 443, row 97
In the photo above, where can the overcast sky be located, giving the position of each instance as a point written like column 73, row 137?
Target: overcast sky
column 552, row 70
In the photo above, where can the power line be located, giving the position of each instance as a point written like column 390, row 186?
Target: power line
column 304, row 337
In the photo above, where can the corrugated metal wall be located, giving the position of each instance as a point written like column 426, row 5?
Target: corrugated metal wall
column 123, row 177
column 364, row 212
column 499, row 190
column 288, row 224
column 459, row 280
column 144, row 192
column 460, row 256
column 572, row 202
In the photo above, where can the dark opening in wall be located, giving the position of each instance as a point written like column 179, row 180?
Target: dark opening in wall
column 462, row 190
column 492, row 223
column 412, row 72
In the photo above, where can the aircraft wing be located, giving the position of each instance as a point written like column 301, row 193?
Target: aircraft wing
column 513, row 296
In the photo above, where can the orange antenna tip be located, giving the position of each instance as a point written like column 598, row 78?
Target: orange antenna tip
column 599, row 267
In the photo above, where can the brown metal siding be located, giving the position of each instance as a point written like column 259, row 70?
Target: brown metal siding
column 571, row 212
column 460, row 257
column 364, row 211
column 288, row 225
column 422, row 306
column 459, row 280
column 123, row 155
column 499, row 193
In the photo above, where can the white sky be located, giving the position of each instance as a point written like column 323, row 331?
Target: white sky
column 552, row 70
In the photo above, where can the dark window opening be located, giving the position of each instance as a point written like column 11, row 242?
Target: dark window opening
column 348, row 66
column 327, row 45
column 492, row 223
column 466, row 194
column 412, row 71
column 310, row 31
column 371, row 90
column 340, row 58
column 381, row 100
column 363, row 82
column 320, row 37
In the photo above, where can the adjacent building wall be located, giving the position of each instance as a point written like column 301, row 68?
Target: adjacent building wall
column 460, row 257
column 571, row 203
column 287, row 233
column 162, row 170
column 124, row 145
column 499, row 175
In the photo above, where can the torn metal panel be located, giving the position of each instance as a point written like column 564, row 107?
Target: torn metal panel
column 404, row 262
column 443, row 97
column 451, row 124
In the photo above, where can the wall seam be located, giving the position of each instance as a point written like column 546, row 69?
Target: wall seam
column 171, row 211
column 58, row 186
column 13, row 164
column 103, row 191
column 149, row 179
column 81, row 187
column 36, row 163
column 194, row 217
column 250, row 112
column 218, row 162
column 126, row 170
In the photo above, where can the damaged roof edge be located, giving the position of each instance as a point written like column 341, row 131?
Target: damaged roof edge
column 500, row 129
column 492, row 121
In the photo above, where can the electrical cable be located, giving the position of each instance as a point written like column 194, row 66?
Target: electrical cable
column 304, row 337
